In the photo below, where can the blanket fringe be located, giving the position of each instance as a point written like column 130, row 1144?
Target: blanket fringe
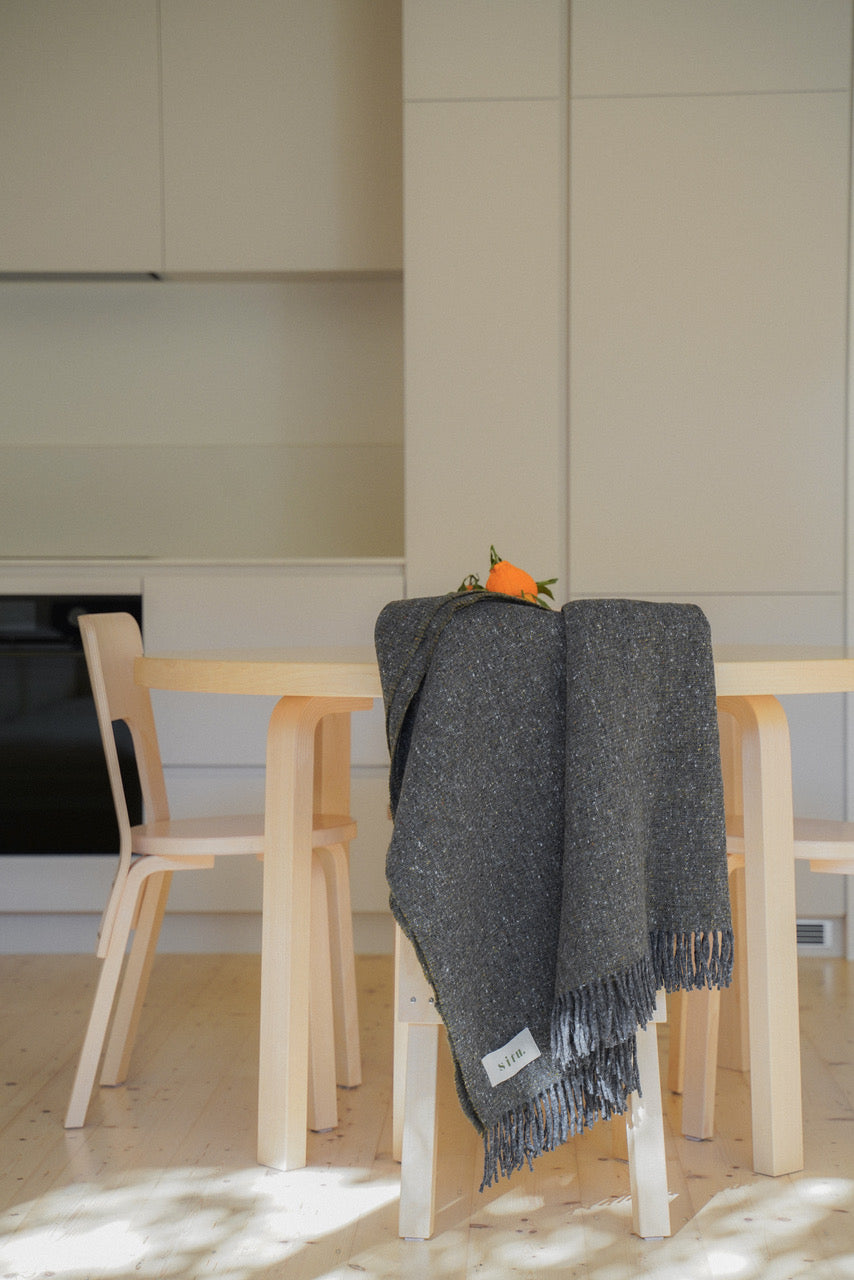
column 687, row 961
column 602, row 1013
column 609, row 1010
column 597, row 1088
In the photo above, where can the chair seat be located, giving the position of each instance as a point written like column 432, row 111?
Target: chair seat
column 230, row 834
column 827, row 844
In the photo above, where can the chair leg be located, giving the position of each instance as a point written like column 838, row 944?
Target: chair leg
column 348, row 1053
column 715, row 1031
column 415, row 1069
column 734, row 1037
column 418, row 1155
column 415, row 1113
column 398, row 1104
column 142, row 905
column 701, row 1055
column 400, row 1054
column 135, row 982
column 676, row 1050
column 645, row 1134
column 102, row 1005
column 322, row 1095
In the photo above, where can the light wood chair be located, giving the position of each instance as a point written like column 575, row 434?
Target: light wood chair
column 416, row 1044
column 149, row 854
column 700, row 1040
column 695, row 1053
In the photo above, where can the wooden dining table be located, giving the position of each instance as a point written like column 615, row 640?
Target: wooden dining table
column 308, row 767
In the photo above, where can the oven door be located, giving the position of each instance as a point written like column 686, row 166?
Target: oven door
column 54, row 788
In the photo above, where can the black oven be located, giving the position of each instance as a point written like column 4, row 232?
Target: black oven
column 54, row 789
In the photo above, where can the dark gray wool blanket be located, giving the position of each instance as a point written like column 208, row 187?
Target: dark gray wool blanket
column 559, row 849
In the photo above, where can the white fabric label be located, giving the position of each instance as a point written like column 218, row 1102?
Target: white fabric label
column 506, row 1062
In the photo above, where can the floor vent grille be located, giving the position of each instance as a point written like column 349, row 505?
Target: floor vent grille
column 817, row 935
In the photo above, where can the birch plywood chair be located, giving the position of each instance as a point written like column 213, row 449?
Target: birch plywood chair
column 828, row 847
column 416, row 1043
column 149, row 854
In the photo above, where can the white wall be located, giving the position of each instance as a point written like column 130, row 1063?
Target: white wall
column 212, row 419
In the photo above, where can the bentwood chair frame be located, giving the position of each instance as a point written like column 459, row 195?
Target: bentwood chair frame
column 701, row 1038
column 149, row 854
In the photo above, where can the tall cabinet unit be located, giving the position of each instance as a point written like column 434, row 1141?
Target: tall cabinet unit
column 708, row 294
column 626, row 266
column 708, row 250
column 484, row 302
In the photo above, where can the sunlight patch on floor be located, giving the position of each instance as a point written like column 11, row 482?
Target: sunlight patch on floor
column 39, row 1252
column 249, row 1219
column 726, row 1263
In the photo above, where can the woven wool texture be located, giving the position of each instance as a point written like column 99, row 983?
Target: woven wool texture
column 559, row 847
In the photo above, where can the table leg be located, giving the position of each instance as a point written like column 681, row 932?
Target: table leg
column 734, row 1031
column 285, row 938
column 332, row 795
column 775, row 1063
column 332, row 764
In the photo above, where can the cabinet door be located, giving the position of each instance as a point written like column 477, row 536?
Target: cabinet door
column 79, row 146
column 282, row 135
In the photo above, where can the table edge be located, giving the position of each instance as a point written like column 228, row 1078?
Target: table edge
column 276, row 677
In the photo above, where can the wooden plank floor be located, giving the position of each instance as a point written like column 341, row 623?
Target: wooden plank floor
column 163, row 1183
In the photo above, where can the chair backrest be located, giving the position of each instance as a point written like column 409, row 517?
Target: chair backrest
column 111, row 642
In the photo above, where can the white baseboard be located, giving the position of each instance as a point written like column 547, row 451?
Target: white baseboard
column 64, row 933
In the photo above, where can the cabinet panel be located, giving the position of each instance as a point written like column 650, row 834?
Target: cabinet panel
column 709, row 46
column 208, row 502
column 484, row 325
column 282, row 134
column 483, row 48
column 80, row 146
column 708, row 317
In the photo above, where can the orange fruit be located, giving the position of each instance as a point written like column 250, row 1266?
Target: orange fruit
column 510, row 581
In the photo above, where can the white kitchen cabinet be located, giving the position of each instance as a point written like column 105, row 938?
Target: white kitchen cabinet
column 80, row 138
column 282, row 135
column 275, row 145
column 483, row 49
column 708, row 295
